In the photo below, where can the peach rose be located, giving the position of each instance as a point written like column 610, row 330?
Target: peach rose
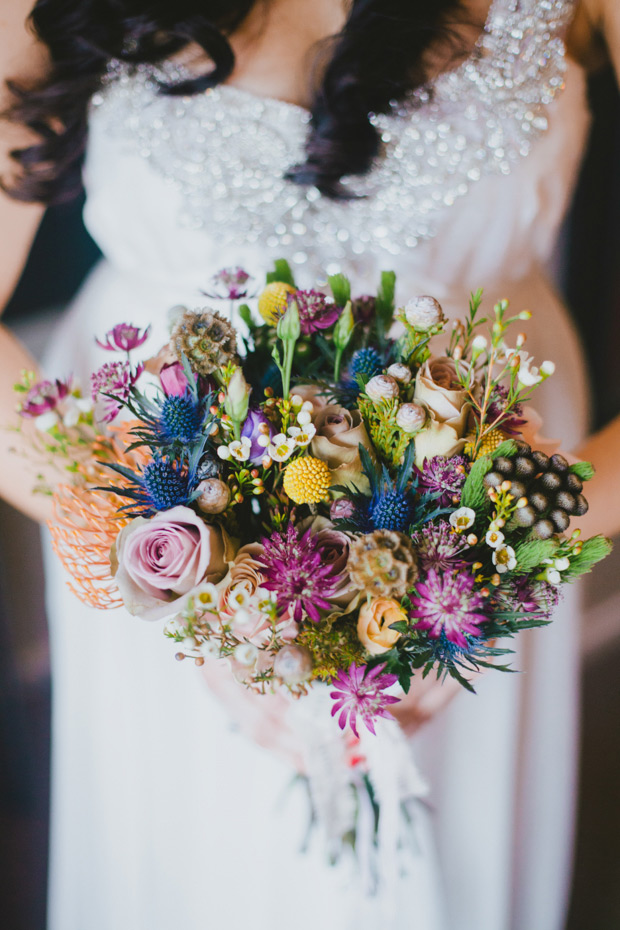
column 374, row 622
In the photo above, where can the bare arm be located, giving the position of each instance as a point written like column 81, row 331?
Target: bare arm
column 601, row 18
column 20, row 57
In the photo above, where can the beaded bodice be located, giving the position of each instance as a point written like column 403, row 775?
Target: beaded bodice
column 225, row 152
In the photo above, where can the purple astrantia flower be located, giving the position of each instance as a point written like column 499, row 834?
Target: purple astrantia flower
column 230, row 283
column 123, row 338
column 115, row 379
column 360, row 692
column 293, row 567
column 259, row 430
column 448, row 603
column 314, row 311
column 364, row 308
column 44, row 397
column 443, row 476
column 439, row 546
column 523, row 595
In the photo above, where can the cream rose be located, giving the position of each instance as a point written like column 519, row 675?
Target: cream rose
column 339, row 433
column 438, row 388
column 374, row 621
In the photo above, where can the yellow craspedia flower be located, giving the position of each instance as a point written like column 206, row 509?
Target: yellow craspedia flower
column 307, row 480
column 273, row 302
column 489, row 444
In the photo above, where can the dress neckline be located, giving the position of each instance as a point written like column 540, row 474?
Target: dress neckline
column 287, row 105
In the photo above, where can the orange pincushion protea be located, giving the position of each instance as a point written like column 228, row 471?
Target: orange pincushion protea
column 86, row 522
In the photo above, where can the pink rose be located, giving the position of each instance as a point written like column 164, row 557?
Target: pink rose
column 157, row 562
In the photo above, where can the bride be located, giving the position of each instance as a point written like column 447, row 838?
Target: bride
column 236, row 133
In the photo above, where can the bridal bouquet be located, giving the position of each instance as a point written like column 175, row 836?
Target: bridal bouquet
column 327, row 497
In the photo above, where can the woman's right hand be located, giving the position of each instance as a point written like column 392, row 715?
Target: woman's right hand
column 263, row 718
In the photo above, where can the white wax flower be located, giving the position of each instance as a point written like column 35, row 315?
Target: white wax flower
column 504, row 559
column 462, row 518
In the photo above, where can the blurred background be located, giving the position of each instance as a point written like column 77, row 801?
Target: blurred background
column 587, row 271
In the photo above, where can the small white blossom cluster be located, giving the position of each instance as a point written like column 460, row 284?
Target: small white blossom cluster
column 555, row 567
column 527, row 373
column 504, row 557
column 298, row 436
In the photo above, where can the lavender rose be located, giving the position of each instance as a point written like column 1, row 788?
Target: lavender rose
column 159, row 561
column 258, row 429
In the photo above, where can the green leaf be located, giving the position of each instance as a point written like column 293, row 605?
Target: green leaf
column 583, row 470
column 592, row 552
column 506, row 448
column 246, row 315
column 401, row 626
column 385, row 298
column 531, row 554
column 475, row 494
column 340, row 288
column 282, row 272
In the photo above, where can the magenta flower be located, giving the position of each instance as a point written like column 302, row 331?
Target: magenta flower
column 448, row 603
column 114, row 380
column 528, row 596
column 294, row 568
column 444, row 477
column 173, row 380
column 230, row 283
column 359, row 692
column 314, row 311
column 44, row 396
column 123, row 338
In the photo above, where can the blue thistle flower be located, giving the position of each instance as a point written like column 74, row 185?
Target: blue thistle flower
column 181, row 418
column 365, row 362
column 391, row 510
column 165, row 484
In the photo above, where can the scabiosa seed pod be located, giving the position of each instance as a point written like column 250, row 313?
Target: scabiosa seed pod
column 504, row 465
column 538, row 500
column 524, row 467
column 383, row 563
column 541, row 461
column 560, row 519
column 492, row 479
column 573, row 483
column 525, row 516
column 566, row 501
column 550, row 481
column 558, row 463
column 206, row 339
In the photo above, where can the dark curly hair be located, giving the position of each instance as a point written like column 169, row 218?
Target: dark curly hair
column 376, row 59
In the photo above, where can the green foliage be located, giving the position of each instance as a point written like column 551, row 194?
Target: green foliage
column 340, row 288
column 385, row 301
column 531, row 554
column 583, row 470
column 282, row 272
column 507, row 448
column 475, row 494
column 593, row 551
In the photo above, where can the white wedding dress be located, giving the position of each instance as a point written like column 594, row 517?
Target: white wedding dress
column 163, row 815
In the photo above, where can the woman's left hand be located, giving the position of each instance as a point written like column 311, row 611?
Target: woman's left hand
column 427, row 697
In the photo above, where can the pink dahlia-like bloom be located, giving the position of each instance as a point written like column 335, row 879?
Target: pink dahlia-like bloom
column 294, row 567
column 44, row 397
column 360, row 692
column 314, row 311
column 123, row 338
column 448, row 603
column 114, row 380
column 231, row 283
